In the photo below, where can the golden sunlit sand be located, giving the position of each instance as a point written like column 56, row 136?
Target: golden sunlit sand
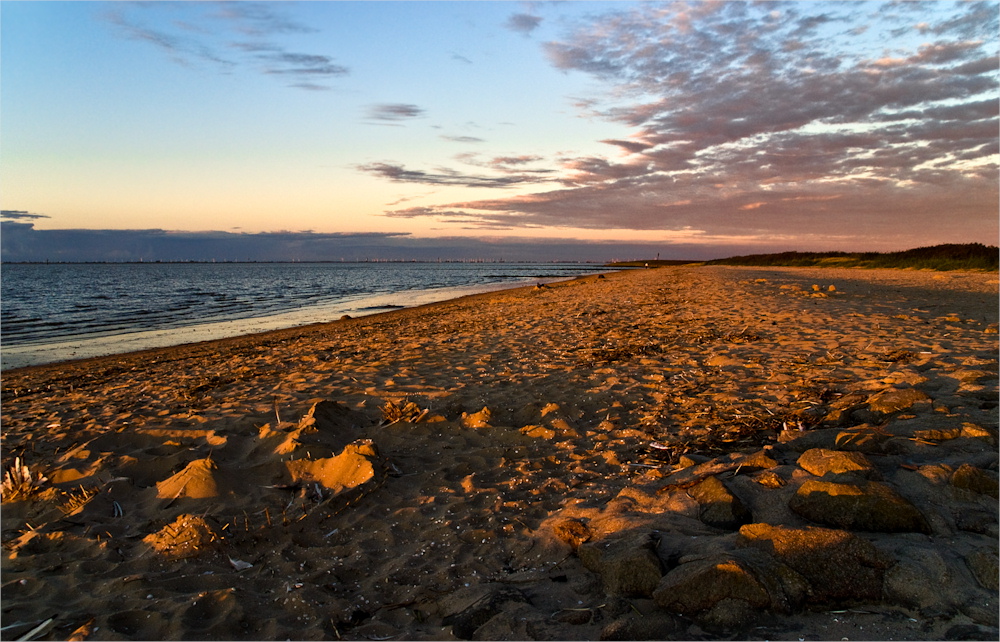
column 674, row 453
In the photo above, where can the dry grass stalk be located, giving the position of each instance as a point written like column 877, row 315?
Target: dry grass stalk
column 77, row 499
column 19, row 483
column 394, row 413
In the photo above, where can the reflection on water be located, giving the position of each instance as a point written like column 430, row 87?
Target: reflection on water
column 60, row 311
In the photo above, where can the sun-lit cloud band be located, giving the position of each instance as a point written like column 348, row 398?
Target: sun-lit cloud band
column 767, row 118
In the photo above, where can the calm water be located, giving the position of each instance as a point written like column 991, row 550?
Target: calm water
column 88, row 309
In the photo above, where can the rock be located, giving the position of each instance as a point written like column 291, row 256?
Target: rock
column 972, row 431
column 516, row 621
column 921, row 580
column 894, row 400
column 971, row 632
column 577, row 617
column 976, row 480
column 685, row 461
column 871, row 506
column 699, row 585
column 729, row 615
column 769, row 479
column 803, row 440
column 655, row 626
column 839, row 412
column 977, row 520
column 821, row 462
column 759, row 460
column 628, row 565
column 836, row 564
column 863, row 438
column 718, row 506
column 691, row 459
column 937, row 434
column 572, row 531
column 984, row 565
column 469, row 608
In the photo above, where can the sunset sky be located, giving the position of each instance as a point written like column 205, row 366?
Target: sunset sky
column 731, row 125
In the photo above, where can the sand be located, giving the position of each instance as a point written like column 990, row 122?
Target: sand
column 676, row 453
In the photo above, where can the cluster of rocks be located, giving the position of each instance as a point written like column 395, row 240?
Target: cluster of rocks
column 901, row 514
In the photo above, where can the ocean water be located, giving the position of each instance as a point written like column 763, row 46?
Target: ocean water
column 53, row 312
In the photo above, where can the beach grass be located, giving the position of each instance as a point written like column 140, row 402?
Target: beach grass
column 946, row 257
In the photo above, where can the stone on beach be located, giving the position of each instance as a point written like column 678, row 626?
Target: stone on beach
column 822, row 462
column 976, row 480
column 627, row 564
column 699, row 585
column 837, row 564
column 718, row 506
column 470, row 608
column 895, row 400
column 868, row 506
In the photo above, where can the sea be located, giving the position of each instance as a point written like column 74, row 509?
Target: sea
column 60, row 311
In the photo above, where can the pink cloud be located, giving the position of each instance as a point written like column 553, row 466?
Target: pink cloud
column 777, row 119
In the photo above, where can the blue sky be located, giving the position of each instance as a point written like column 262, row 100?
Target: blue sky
column 785, row 125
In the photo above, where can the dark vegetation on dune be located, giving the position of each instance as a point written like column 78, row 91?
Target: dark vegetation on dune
column 966, row 256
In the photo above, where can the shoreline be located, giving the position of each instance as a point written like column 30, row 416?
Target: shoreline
column 533, row 463
column 97, row 346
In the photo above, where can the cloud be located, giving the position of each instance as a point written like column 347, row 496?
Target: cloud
column 523, row 23
column 20, row 215
column 501, row 162
column 631, row 146
column 399, row 174
column 463, row 139
column 259, row 19
column 19, row 242
column 781, row 119
column 228, row 37
column 302, row 64
column 394, row 112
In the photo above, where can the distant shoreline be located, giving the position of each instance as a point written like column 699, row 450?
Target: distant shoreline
column 210, row 262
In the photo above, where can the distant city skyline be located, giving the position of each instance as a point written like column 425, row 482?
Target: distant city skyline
column 692, row 129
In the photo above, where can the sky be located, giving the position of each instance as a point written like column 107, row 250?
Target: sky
column 692, row 129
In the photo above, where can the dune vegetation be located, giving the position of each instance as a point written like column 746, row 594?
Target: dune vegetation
column 951, row 256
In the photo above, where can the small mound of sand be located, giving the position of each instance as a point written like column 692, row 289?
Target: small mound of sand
column 196, row 481
column 349, row 469
column 186, row 536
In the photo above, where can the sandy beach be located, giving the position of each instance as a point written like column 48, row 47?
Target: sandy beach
column 674, row 453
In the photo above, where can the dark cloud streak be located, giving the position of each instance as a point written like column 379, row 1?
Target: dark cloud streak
column 399, row 174
column 216, row 44
column 523, row 23
column 394, row 112
column 20, row 215
column 22, row 243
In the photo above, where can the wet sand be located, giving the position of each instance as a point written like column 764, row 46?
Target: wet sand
column 656, row 454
